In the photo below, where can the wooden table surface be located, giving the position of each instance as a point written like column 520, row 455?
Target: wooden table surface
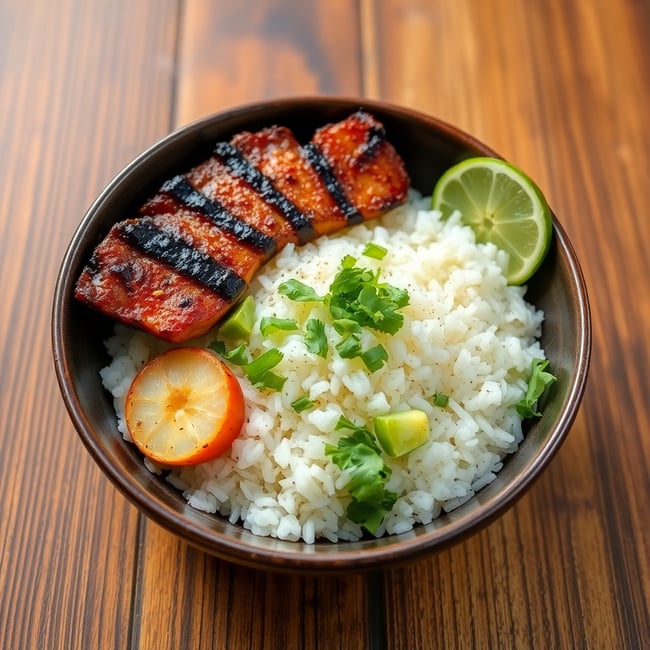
column 560, row 87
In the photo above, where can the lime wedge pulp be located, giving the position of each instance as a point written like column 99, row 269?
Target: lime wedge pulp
column 503, row 206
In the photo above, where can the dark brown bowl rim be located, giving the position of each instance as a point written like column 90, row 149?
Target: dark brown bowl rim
column 320, row 557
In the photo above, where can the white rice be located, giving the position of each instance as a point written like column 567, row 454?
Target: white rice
column 466, row 334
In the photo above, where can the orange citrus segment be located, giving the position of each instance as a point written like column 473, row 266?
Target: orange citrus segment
column 184, row 407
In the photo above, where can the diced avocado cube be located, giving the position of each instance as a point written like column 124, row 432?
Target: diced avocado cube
column 402, row 432
column 239, row 323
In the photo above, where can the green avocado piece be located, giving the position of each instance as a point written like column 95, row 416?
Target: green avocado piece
column 239, row 322
column 402, row 432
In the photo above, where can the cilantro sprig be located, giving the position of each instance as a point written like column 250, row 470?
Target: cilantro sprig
column 539, row 380
column 315, row 337
column 356, row 294
column 356, row 299
column 359, row 455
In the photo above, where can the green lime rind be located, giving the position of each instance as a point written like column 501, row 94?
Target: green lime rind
column 503, row 206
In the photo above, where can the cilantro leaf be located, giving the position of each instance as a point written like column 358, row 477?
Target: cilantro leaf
column 359, row 455
column 315, row 338
column 299, row 291
column 539, row 380
column 357, row 295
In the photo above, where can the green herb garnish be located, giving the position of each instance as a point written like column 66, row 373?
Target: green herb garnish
column 345, row 326
column 271, row 324
column 259, row 372
column 375, row 251
column 356, row 294
column 439, row 399
column 374, row 357
column 539, row 380
column 299, row 291
column 315, row 338
column 359, row 455
column 301, row 404
column 350, row 346
column 237, row 355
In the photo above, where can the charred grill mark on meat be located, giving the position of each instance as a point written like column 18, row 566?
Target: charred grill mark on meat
column 323, row 169
column 363, row 160
column 374, row 138
column 278, row 155
column 215, row 180
column 181, row 189
column 241, row 167
column 182, row 257
column 178, row 266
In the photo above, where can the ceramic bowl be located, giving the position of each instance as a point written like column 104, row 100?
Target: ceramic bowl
column 428, row 147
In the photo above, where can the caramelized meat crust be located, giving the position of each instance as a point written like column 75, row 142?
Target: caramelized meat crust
column 182, row 262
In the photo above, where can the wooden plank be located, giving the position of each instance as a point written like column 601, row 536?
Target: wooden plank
column 221, row 605
column 240, row 51
column 82, row 91
column 554, row 88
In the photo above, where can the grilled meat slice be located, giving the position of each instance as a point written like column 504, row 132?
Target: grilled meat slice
column 242, row 168
column 304, row 179
column 178, row 194
column 141, row 291
column 200, row 236
column 366, row 165
column 178, row 267
column 214, row 179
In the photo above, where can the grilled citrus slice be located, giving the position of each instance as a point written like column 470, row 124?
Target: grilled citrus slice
column 184, row 407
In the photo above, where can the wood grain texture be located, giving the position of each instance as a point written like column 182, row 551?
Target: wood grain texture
column 240, row 51
column 82, row 92
column 560, row 88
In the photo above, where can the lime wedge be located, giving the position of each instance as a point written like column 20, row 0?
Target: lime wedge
column 503, row 206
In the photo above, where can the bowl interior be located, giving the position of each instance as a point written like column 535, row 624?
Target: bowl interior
column 428, row 148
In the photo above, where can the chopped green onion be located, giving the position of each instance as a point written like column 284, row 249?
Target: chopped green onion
column 375, row 251
column 349, row 347
column 237, row 355
column 258, row 370
column 315, row 338
column 301, row 404
column 374, row 357
column 271, row 381
column 270, row 324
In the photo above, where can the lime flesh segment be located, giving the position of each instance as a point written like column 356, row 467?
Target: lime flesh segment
column 503, row 206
